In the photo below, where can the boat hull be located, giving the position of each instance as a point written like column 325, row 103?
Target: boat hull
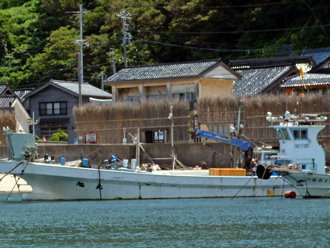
column 54, row 182
column 309, row 185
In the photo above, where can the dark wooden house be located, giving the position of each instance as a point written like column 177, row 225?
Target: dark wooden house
column 52, row 104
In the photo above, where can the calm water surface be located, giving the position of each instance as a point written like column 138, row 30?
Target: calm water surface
column 241, row 222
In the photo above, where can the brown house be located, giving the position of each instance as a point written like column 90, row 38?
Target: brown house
column 182, row 80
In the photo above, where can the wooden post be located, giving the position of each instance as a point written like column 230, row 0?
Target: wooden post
column 138, row 148
column 172, row 133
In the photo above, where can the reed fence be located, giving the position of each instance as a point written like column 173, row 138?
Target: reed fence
column 108, row 121
column 224, row 111
column 7, row 119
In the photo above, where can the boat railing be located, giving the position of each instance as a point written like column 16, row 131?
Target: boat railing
column 308, row 163
column 282, row 161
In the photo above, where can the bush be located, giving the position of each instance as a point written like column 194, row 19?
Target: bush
column 37, row 137
column 59, row 136
column 54, row 138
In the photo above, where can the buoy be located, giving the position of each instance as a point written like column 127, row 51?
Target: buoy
column 290, row 194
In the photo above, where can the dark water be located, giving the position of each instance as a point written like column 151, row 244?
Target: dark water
column 241, row 222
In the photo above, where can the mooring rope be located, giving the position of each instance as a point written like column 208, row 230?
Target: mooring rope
column 326, row 195
column 307, row 192
column 12, row 170
column 242, row 187
column 16, row 183
column 99, row 186
column 282, row 187
column 260, row 182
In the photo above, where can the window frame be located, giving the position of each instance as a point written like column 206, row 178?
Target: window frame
column 300, row 132
column 44, row 110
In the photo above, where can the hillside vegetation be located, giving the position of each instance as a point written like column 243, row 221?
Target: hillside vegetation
column 37, row 36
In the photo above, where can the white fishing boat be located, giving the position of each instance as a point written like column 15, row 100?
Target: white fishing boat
column 51, row 181
column 301, row 159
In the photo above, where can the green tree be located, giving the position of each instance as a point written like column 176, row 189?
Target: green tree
column 21, row 38
column 59, row 56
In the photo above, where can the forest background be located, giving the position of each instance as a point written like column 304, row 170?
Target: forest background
column 37, row 36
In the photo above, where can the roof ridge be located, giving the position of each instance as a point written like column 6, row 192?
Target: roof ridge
column 174, row 63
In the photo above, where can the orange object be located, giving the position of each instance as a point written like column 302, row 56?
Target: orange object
column 290, row 194
column 227, row 172
column 302, row 94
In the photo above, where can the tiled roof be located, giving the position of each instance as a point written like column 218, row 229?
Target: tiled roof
column 310, row 79
column 170, row 70
column 324, row 70
column 5, row 100
column 319, row 54
column 86, row 88
column 3, row 87
column 254, row 81
column 269, row 62
column 21, row 93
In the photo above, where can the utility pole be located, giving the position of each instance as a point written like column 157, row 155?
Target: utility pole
column 113, row 63
column 83, row 44
column 102, row 80
column 126, row 35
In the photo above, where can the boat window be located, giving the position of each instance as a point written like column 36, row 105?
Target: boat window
column 299, row 133
column 296, row 134
column 285, row 134
column 279, row 134
column 270, row 156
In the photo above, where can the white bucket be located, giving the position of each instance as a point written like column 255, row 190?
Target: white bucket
column 125, row 163
column 133, row 164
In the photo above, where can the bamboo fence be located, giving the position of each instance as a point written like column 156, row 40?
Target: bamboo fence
column 108, row 121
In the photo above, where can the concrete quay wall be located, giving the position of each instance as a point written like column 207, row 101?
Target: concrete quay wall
column 190, row 154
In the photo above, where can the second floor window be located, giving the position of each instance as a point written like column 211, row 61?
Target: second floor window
column 53, row 108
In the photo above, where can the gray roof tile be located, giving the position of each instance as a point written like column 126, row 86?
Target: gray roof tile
column 254, row 81
column 21, row 93
column 86, row 88
column 171, row 70
column 3, row 87
column 310, row 79
column 5, row 100
column 269, row 62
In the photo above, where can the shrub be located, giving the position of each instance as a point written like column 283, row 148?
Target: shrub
column 59, row 136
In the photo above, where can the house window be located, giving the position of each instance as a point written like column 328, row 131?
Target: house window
column 53, row 108
column 156, row 97
column 187, row 96
column 133, row 99
column 47, row 132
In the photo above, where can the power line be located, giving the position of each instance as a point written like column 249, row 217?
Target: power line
column 197, row 48
column 238, row 6
column 232, row 32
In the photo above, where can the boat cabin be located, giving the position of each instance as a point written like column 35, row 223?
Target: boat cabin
column 297, row 136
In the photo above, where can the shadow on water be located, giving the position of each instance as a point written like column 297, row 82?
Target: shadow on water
column 241, row 222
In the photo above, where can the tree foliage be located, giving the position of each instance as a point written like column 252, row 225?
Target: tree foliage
column 37, row 36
